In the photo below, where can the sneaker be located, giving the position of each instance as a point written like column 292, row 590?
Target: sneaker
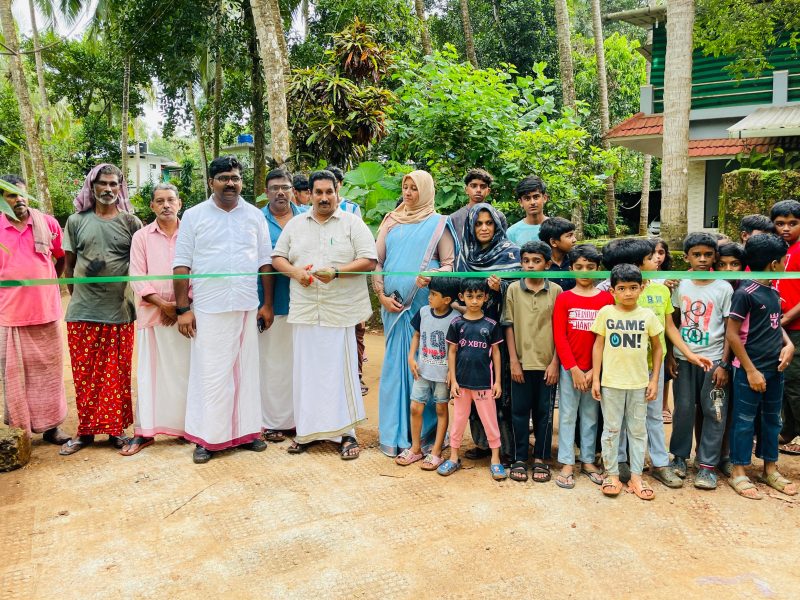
column 624, row 472
column 667, row 476
column 201, row 455
column 678, row 465
column 257, row 445
column 726, row 467
column 706, row 479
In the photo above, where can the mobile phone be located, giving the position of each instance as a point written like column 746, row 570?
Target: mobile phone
column 262, row 325
column 395, row 295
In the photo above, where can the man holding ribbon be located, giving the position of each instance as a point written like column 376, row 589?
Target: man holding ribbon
column 326, row 252
column 223, row 235
column 100, row 315
column 31, row 356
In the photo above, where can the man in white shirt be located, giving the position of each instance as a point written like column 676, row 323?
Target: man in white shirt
column 320, row 250
column 224, row 234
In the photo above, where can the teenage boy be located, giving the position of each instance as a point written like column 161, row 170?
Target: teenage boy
column 763, row 351
column 531, row 194
column 302, row 192
column 573, row 315
column 620, row 354
column 753, row 225
column 528, row 318
column 427, row 360
column 702, row 314
column 559, row 234
column 478, row 187
column 786, row 217
column 656, row 297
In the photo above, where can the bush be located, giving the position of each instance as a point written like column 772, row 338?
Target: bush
column 752, row 191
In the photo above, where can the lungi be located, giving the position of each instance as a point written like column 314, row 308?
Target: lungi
column 162, row 377
column 32, row 372
column 326, row 389
column 223, row 406
column 275, row 356
column 101, row 370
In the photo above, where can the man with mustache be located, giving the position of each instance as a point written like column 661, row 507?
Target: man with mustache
column 223, row 235
column 100, row 316
column 275, row 344
column 324, row 251
column 162, row 374
column 31, row 356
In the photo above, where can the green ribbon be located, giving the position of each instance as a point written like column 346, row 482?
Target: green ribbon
column 703, row 275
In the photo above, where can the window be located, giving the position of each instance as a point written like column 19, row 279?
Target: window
column 715, row 169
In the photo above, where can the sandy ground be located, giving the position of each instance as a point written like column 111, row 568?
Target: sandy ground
column 272, row 525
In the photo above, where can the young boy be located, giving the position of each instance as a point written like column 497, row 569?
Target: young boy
column 702, row 314
column 656, row 297
column 473, row 366
column 753, row 225
column 786, row 217
column 763, row 351
column 559, row 234
column 478, row 188
column 528, row 319
column 620, row 354
column 531, row 194
column 573, row 315
column 429, row 369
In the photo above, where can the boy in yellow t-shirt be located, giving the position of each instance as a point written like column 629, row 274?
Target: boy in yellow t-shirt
column 620, row 353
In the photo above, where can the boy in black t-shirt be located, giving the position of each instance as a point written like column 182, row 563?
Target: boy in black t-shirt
column 473, row 361
column 763, row 351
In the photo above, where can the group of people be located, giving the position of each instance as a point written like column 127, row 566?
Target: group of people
column 226, row 360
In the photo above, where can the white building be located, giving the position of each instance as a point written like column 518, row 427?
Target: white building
column 144, row 167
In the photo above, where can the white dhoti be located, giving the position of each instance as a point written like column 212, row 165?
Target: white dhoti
column 275, row 356
column 326, row 389
column 223, row 408
column 162, row 376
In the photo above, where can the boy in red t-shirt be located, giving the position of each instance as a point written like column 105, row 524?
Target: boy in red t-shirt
column 786, row 217
column 574, row 312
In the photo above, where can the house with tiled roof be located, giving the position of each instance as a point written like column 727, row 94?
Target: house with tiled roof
column 727, row 117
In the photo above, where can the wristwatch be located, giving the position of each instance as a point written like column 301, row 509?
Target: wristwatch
column 725, row 365
column 179, row 310
column 336, row 274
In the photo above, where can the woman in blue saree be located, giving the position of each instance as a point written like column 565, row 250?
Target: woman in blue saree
column 411, row 239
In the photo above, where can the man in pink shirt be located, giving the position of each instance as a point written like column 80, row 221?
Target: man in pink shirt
column 31, row 348
column 162, row 373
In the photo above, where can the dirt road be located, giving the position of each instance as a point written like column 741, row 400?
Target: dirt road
column 272, row 525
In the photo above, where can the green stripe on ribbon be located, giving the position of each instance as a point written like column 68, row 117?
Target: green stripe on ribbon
column 724, row 275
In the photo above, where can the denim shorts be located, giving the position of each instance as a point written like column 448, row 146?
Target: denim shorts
column 423, row 389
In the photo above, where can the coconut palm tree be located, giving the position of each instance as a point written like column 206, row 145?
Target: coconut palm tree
column 419, row 6
column 468, row 38
column 677, row 103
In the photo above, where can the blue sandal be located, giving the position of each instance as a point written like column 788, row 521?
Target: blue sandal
column 448, row 467
column 498, row 472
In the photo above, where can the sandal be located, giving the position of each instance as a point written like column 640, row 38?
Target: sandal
column 566, row 482
column 667, row 417
column 610, row 487
column 519, row 471
column 742, row 484
column 595, row 477
column 792, row 448
column 297, row 448
column 431, row 462
column 134, row 445
column 349, row 448
column 274, row 436
column 55, row 436
column 778, row 482
column 498, row 472
column 407, row 457
column 641, row 490
column 541, row 468
column 119, row 441
column 448, row 467
column 76, row 444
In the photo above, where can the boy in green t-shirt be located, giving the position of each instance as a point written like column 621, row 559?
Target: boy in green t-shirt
column 620, row 354
column 656, row 297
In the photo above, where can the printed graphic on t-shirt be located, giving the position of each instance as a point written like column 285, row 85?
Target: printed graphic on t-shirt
column 581, row 319
column 433, row 348
column 626, row 333
column 696, row 320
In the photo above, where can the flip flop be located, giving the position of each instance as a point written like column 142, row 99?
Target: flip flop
column 119, row 441
column 568, row 483
column 350, row 443
column 75, row 445
column 274, row 436
column 135, row 444
column 55, row 436
column 595, row 477
column 407, row 457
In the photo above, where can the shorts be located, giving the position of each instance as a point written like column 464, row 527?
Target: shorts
column 423, row 389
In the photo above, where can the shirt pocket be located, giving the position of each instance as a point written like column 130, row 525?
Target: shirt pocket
column 341, row 250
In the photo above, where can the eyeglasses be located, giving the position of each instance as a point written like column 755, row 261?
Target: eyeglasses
column 228, row 178
column 279, row 188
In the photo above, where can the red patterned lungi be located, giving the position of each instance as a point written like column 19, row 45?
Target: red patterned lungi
column 101, row 369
